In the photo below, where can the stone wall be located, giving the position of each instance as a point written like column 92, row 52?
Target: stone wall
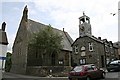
column 19, row 50
column 43, row 71
column 90, row 57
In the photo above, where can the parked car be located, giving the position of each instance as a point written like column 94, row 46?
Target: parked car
column 113, row 66
column 86, row 72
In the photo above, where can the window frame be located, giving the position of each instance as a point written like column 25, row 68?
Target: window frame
column 76, row 49
column 82, row 61
column 90, row 46
column 106, row 48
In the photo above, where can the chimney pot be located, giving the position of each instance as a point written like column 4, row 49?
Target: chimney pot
column 99, row 38
column 110, row 42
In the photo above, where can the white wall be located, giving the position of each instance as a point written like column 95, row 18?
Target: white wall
column 3, row 51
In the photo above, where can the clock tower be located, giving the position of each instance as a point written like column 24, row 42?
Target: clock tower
column 84, row 26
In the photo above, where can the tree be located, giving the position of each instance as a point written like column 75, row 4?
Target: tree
column 46, row 41
column 8, row 62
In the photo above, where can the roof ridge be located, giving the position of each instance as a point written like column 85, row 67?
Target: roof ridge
column 67, row 37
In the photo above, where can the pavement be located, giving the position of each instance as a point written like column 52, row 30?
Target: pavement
column 11, row 76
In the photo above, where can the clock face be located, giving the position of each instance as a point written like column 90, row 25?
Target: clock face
column 82, row 28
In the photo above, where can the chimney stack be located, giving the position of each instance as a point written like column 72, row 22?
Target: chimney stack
column 63, row 30
column 104, row 40
column 99, row 38
column 110, row 42
column 3, row 26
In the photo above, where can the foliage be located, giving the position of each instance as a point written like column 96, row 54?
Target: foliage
column 46, row 41
column 8, row 63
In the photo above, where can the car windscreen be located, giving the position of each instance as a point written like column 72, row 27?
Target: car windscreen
column 114, row 62
column 78, row 68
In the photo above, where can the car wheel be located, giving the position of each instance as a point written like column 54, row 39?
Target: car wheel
column 70, row 78
column 108, row 70
column 103, row 75
column 88, row 78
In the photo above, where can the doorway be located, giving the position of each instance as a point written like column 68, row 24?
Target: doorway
column 53, row 59
column 102, row 61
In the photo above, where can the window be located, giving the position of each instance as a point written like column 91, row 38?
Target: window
column 66, row 56
column 90, row 68
column 76, row 49
column 82, row 61
column 53, row 59
column 108, row 60
column 111, row 49
column 90, row 46
column 36, row 54
column 60, row 62
column 20, row 51
column 82, row 48
column 106, row 48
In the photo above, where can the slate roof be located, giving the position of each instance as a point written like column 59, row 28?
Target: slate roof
column 34, row 27
column 90, row 36
column 102, row 41
column 3, row 37
column 117, row 44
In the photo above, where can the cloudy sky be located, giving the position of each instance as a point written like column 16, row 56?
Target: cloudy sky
column 63, row 14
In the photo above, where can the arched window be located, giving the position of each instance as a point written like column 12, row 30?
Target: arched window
column 90, row 46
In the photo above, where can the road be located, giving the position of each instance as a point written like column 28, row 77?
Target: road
column 11, row 76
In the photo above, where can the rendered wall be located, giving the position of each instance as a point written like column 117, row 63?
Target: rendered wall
column 3, row 51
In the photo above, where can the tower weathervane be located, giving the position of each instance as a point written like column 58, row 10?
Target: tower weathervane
column 83, row 13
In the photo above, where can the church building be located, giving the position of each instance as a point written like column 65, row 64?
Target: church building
column 87, row 49
column 25, row 61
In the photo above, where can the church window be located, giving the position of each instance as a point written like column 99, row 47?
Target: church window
column 66, row 56
column 20, row 51
column 90, row 46
column 53, row 59
column 76, row 49
column 61, row 62
column 36, row 54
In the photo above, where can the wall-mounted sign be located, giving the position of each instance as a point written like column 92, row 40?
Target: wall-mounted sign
column 83, row 54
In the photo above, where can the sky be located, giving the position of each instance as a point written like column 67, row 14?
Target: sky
column 62, row 14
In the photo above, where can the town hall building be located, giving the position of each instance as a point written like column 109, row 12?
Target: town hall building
column 87, row 49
